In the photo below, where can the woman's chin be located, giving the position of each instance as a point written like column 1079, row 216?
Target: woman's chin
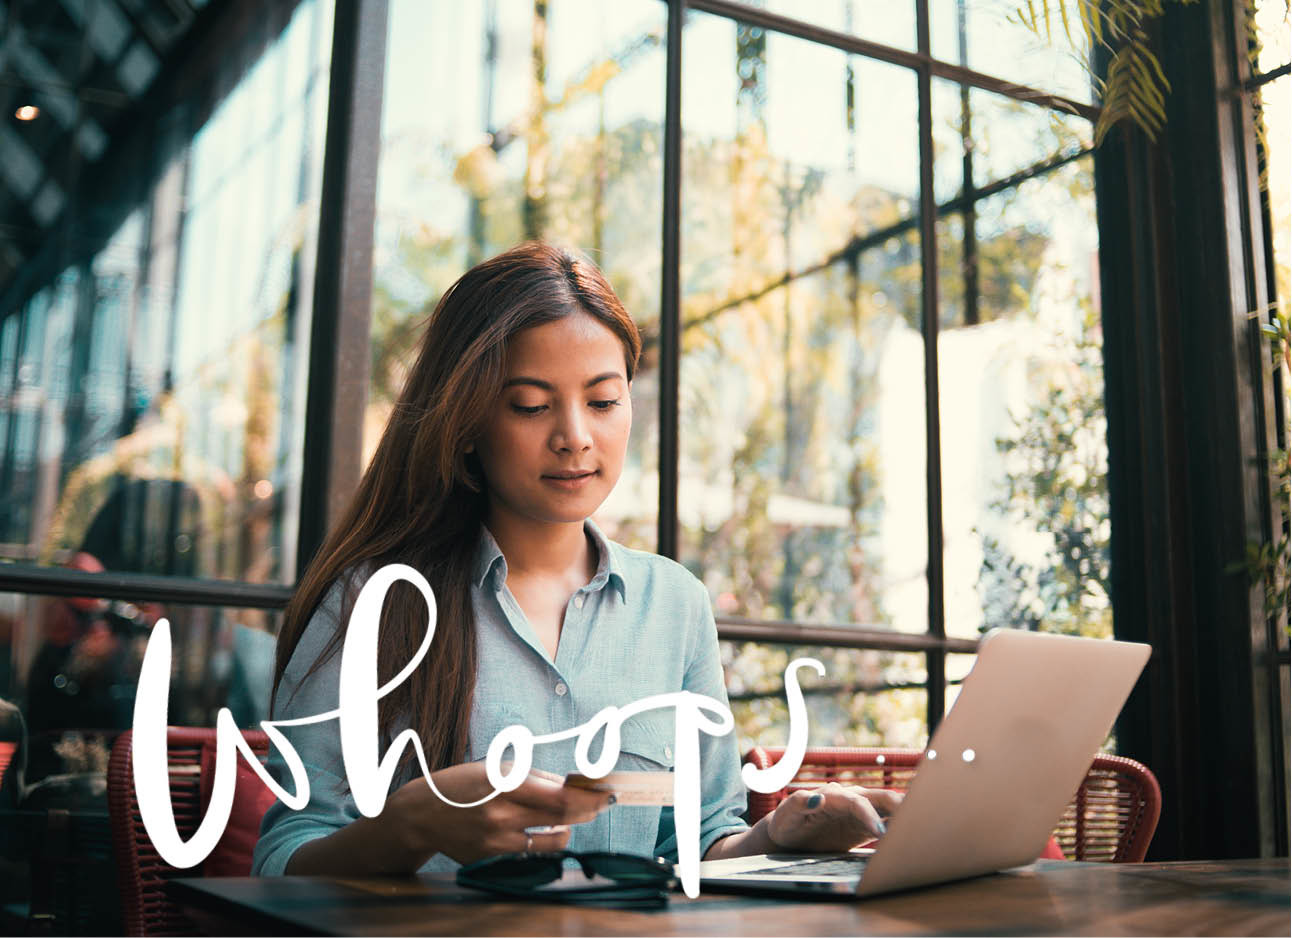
column 552, row 505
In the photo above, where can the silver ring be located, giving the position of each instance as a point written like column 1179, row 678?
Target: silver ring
column 529, row 842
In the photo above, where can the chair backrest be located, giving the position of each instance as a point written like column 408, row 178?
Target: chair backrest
column 1114, row 813
column 13, row 753
column 141, row 872
column 1111, row 818
column 7, row 750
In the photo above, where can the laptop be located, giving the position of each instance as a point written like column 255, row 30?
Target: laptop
column 994, row 781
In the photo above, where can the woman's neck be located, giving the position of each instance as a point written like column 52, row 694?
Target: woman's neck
column 537, row 549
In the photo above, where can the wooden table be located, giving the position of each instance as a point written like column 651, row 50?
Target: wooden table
column 1231, row 897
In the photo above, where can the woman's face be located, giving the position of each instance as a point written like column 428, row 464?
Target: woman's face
column 555, row 440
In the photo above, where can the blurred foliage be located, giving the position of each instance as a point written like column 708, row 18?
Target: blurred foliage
column 866, row 698
column 1056, row 485
column 1267, row 562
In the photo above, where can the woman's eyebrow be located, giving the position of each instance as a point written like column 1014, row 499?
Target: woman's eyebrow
column 548, row 386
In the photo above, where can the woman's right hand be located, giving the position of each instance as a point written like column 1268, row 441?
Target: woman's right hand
column 424, row 825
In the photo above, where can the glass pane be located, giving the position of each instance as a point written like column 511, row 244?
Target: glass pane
column 1024, row 449
column 981, row 138
column 1276, row 115
column 952, row 140
column 987, row 36
column 152, row 358
column 954, row 274
column 1273, row 35
column 548, row 123
column 979, row 141
column 1009, row 136
column 866, row 698
column 956, row 669
column 884, row 21
column 801, row 492
column 72, row 668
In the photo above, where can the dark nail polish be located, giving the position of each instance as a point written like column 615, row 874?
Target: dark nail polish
column 612, row 800
column 814, row 801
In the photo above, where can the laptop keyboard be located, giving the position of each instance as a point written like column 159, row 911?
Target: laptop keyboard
column 822, row 866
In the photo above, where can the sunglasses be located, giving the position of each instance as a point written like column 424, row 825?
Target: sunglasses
column 617, row 880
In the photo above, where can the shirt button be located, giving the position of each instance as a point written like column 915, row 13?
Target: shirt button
column 561, row 689
column 668, row 752
column 578, row 601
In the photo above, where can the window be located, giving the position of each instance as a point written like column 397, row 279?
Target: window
column 152, row 356
column 804, row 392
column 554, row 131
column 1272, row 97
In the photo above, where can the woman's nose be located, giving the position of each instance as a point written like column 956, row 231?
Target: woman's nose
column 571, row 433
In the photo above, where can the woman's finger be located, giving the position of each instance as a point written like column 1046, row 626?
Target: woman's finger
column 886, row 802
column 804, row 800
column 526, row 816
column 545, row 791
column 840, row 812
column 543, row 839
column 864, row 812
column 558, row 803
column 794, row 817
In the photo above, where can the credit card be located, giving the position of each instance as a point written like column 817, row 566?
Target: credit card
column 629, row 788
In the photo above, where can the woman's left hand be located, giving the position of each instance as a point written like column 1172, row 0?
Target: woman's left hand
column 833, row 817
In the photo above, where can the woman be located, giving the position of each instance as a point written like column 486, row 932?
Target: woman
column 511, row 431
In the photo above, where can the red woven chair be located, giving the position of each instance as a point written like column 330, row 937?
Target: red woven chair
column 1114, row 813
column 7, row 750
column 141, row 872
column 1111, row 818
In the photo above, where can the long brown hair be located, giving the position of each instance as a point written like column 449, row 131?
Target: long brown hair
column 422, row 499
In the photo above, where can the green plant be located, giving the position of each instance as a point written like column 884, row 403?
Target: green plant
column 1267, row 562
column 1135, row 87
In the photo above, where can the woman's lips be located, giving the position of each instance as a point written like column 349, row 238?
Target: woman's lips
column 570, row 482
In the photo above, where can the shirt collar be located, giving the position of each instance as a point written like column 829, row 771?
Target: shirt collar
column 489, row 560
column 488, row 557
column 609, row 565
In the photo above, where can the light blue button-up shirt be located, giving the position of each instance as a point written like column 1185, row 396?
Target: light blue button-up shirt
column 642, row 626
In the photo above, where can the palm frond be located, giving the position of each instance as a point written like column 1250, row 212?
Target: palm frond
column 1091, row 21
column 1067, row 24
column 1135, row 88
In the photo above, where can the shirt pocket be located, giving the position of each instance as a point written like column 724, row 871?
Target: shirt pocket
column 646, row 744
column 486, row 723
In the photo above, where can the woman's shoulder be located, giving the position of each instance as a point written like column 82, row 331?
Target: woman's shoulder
column 324, row 623
column 644, row 561
column 654, row 575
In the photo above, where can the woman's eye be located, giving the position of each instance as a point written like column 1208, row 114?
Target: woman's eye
column 528, row 411
column 603, row 405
